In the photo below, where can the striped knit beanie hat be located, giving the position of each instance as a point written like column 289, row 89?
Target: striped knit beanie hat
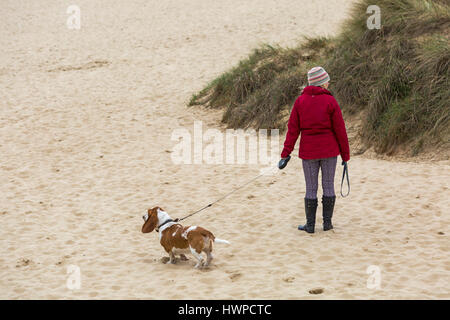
column 317, row 76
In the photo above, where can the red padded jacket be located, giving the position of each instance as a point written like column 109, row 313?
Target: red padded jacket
column 317, row 115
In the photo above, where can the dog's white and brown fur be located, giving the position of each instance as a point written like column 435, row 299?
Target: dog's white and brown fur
column 177, row 239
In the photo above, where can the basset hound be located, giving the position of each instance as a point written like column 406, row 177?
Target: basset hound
column 177, row 239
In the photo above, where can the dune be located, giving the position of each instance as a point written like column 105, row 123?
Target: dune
column 86, row 120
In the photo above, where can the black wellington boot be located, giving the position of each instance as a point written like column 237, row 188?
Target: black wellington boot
column 310, row 210
column 327, row 213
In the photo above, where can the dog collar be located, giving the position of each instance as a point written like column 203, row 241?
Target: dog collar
column 165, row 222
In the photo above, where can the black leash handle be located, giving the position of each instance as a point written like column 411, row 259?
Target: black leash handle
column 283, row 162
column 344, row 174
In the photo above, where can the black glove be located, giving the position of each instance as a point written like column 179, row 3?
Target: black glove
column 283, row 162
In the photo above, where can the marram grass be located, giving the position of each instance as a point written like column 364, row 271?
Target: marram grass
column 397, row 74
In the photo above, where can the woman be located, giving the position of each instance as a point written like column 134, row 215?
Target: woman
column 317, row 115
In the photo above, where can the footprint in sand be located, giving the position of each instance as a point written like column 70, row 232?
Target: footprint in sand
column 234, row 275
column 19, row 290
column 147, row 260
column 316, row 291
column 23, row 262
column 325, row 258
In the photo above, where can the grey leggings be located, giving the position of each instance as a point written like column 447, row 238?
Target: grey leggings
column 311, row 171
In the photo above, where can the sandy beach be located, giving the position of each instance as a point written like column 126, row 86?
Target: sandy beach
column 86, row 118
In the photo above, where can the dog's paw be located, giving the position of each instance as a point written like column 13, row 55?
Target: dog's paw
column 183, row 257
column 165, row 260
column 201, row 265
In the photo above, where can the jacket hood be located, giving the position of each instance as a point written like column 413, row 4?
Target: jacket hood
column 313, row 90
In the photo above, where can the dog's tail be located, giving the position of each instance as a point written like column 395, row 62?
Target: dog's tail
column 217, row 240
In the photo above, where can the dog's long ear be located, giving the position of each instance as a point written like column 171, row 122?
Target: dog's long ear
column 152, row 221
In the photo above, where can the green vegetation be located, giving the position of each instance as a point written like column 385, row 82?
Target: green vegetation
column 398, row 75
